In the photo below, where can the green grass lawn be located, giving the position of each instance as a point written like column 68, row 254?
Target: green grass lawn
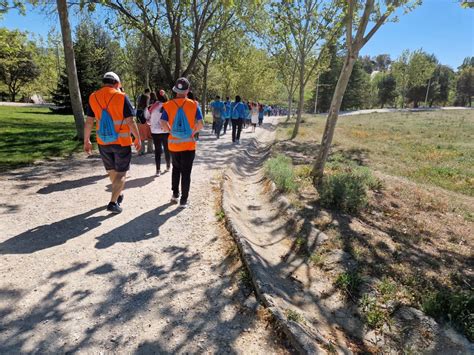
column 28, row 134
column 435, row 148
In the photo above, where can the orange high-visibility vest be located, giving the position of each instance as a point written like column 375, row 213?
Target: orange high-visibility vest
column 190, row 108
column 115, row 108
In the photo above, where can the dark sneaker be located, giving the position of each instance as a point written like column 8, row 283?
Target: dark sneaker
column 120, row 199
column 114, row 208
column 174, row 200
column 168, row 168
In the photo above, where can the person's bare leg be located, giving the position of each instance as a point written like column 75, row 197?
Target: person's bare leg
column 111, row 175
column 117, row 185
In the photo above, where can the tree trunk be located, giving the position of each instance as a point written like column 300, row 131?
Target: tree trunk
column 300, row 102
column 204, row 90
column 318, row 168
column 73, row 82
column 290, row 104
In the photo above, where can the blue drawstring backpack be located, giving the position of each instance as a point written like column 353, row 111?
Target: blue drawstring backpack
column 107, row 132
column 181, row 128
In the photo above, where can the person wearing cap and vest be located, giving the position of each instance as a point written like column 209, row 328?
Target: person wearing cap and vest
column 183, row 150
column 116, row 155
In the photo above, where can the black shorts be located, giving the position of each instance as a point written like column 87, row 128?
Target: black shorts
column 116, row 157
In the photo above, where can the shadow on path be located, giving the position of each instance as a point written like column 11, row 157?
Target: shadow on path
column 143, row 227
column 54, row 234
column 70, row 184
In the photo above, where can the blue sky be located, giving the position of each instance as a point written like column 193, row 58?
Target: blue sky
column 441, row 27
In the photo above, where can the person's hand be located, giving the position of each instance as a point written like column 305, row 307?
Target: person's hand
column 88, row 147
column 138, row 144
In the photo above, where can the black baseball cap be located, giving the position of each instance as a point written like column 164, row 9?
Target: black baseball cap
column 181, row 86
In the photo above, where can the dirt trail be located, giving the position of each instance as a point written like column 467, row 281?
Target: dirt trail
column 154, row 279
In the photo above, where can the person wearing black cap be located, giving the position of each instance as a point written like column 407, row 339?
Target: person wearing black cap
column 182, row 117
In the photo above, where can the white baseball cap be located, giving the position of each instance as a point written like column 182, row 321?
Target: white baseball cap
column 112, row 75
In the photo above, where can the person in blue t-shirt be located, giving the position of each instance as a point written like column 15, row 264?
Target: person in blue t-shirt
column 227, row 114
column 238, row 117
column 218, row 111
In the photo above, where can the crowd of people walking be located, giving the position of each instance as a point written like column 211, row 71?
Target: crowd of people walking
column 168, row 127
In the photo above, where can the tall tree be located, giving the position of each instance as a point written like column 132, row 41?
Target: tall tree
column 387, row 92
column 303, row 28
column 357, row 15
column 413, row 71
column 177, row 30
column 465, row 87
column 73, row 82
column 17, row 67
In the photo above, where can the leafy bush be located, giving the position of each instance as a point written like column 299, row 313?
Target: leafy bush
column 280, row 171
column 343, row 191
column 455, row 307
column 345, row 187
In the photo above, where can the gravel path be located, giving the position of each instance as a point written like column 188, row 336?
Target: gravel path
column 154, row 279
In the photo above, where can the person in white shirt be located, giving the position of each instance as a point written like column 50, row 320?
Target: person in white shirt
column 160, row 137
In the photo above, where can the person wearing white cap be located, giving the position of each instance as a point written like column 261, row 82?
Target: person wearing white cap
column 113, row 113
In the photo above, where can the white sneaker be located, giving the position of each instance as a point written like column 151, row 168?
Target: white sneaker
column 183, row 205
column 174, row 200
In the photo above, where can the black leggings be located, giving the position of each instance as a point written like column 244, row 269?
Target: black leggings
column 236, row 129
column 182, row 167
column 160, row 141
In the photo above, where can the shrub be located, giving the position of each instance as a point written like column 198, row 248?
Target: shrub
column 344, row 191
column 345, row 187
column 455, row 307
column 280, row 171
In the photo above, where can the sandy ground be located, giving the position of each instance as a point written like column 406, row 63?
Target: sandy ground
column 154, row 279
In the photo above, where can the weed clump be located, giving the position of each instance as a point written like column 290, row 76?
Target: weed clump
column 345, row 187
column 280, row 171
column 454, row 307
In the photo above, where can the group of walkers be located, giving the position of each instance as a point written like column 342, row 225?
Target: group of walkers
column 239, row 114
column 170, row 124
column 171, row 127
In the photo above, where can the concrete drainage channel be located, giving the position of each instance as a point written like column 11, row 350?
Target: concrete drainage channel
column 300, row 338
column 304, row 338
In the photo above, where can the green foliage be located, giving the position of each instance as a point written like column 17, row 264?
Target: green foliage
column 386, row 90
column 357, row 94
column 344, row 191
column 96, row 53
column 294, row 316
column 220, row 215
column 373, row 315
column 457, row 307
column 29, row 134
column 412, row 72
column 465, row 87
column 349, row 282
column 17, row 67
column 280, row 171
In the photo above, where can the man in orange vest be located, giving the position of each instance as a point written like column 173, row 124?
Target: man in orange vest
column 116, row 154
column 182, row 117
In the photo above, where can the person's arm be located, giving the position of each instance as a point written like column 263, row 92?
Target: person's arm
column 134, row 129
column 128, row 113
column 87, row 134
column 165, row 126
column 198, row 125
